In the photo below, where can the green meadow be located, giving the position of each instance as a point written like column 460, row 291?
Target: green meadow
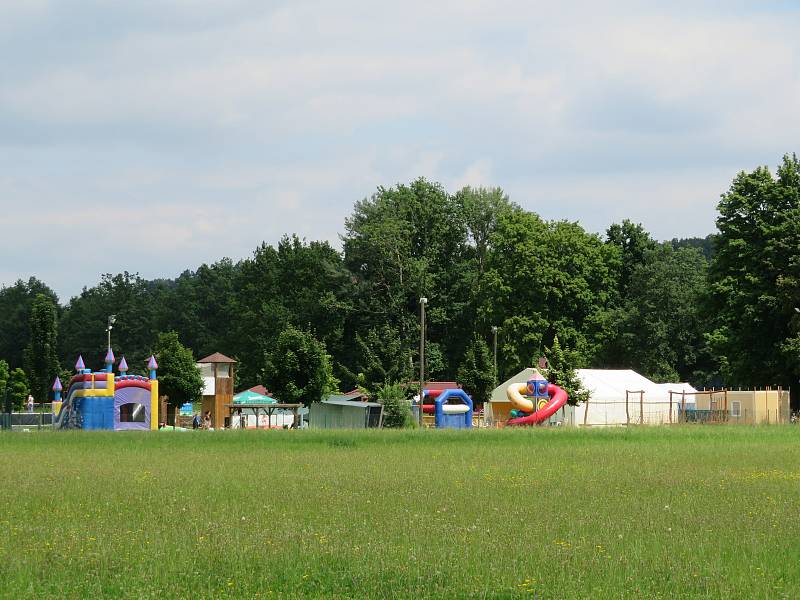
column 703, row 511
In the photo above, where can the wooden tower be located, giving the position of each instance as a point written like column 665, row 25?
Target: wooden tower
column 217, row 371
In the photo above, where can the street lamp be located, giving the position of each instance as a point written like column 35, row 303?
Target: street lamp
column 494, row 333
column 111, row 320
column 422, row 302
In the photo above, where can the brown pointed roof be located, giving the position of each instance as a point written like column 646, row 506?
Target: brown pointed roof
column 216, row 358
column 259, row 389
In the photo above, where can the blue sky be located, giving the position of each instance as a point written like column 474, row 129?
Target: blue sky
column 155, row 136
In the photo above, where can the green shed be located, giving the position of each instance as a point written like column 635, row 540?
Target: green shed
column 336, row 412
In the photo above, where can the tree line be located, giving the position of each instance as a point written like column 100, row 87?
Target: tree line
column 718, row 310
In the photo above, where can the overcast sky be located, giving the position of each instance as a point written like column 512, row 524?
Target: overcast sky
column 153, row 136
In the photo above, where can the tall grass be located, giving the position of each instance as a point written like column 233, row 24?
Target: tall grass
column 640, row 513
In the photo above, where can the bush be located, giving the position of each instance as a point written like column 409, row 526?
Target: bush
column 396, row 406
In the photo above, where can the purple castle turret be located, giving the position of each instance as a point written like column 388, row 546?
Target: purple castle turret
column 109, row 361
column 152, row 365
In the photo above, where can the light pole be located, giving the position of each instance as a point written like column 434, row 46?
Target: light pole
column 494, row 333
column 422, row 302
column 111, row 320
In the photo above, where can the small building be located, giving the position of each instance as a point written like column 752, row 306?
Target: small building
column 217, row 372
column 743, row 406
column 339, row 411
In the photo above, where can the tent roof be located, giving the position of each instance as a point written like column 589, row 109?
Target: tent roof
column 216, row 358
column 258, row 389
column 250, row 397
column 499, row 393
column 677, row 387
column 438, row 385
column 615, row 382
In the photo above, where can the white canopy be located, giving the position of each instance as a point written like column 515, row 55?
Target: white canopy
column 647, row 402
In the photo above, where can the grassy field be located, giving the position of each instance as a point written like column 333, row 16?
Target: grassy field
column 698, row 511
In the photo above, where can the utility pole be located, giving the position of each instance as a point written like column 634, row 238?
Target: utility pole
column 494, row 333
column 422, row 302
column 111, row 320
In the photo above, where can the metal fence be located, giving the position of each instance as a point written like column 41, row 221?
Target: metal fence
column 26, row 420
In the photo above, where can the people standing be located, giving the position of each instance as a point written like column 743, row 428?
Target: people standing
column 30, row 403
column 207, row 420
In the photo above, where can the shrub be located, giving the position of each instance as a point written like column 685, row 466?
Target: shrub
column 396, row 406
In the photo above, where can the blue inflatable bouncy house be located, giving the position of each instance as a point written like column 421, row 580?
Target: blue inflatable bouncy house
column 449, row 414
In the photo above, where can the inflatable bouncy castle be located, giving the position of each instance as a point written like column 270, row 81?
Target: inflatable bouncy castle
column 103, row 400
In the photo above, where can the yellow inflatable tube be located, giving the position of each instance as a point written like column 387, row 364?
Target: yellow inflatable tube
column 515, row 395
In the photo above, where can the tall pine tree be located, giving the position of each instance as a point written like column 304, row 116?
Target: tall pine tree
column 40, row 356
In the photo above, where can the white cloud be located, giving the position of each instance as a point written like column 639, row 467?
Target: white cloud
column 210, row 127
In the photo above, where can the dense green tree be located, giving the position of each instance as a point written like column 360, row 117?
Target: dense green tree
column 40, row 356
column 476, row 373
column 179, row 378
column 625, row 301
column 662, row 326
column 549, row 279
column 562, row 371
column 298, row 368
column 200, row 306
column 298, row 283
column 481, row 208
column 755, row 278
column 403, row 243
column 634, row 244
column 15, row 311
column 136, row 304
column 18, row 388
column 704, row 244
column 383, row 359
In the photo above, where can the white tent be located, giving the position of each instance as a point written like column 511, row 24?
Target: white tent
column 681, row 392
column 622, row 396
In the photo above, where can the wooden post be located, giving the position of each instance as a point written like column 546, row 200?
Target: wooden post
column 683, row 405
column 641, row 407
column 627, row 411
column 585, row 411
column 670, row 407
column 725, row 400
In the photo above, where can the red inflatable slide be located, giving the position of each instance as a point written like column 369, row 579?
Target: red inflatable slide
column 558, row 398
